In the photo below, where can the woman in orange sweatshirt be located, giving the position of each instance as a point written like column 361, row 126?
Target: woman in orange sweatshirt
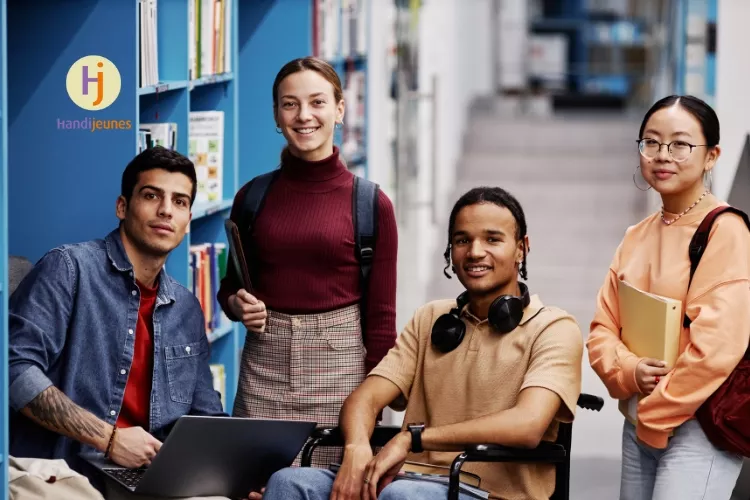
column 666, row 455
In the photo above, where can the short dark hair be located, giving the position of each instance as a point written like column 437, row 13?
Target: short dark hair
column 702, row 112
column 157, row 157
column 499, row 197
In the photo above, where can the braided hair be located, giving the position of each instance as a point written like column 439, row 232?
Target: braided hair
column 499, row 197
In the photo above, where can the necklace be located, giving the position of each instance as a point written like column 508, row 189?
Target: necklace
column 669, row 222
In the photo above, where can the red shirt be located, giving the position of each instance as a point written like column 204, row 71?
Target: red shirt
column 136, row 403
column 304, row 257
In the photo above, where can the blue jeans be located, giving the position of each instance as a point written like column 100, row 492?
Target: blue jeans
column 307, row 483
column 690, row 468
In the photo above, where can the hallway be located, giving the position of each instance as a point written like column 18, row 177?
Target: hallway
column 573, row 177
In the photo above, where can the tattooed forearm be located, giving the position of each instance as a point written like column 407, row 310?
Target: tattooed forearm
column 55, row 411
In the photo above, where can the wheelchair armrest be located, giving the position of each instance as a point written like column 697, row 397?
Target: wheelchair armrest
column 546, row 452
column 590, row 402
column 332, row 436
column 327, row 436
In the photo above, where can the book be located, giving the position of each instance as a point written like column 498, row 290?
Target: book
column 237, row 254
column 206, row 151
column 650, row 326
column 157, row 134
column 207, row 267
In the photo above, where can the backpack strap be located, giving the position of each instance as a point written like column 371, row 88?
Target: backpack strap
column 365, row 218
column 253, row 200
column 700, row 240
column 364, row 215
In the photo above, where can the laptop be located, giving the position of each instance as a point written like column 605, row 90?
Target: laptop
column 205, row 456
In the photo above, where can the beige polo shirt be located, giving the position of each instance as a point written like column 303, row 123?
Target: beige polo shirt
column 485, row 375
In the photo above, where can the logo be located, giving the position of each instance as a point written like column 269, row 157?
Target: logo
column 93, row 83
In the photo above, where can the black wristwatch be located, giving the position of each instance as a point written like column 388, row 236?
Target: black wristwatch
column 416, row 437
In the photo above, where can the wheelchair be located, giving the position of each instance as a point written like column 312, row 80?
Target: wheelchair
column 557, row 453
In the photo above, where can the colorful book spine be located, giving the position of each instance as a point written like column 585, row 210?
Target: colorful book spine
column 207, row 268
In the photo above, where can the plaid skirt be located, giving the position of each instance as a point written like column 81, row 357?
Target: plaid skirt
column 302, row 367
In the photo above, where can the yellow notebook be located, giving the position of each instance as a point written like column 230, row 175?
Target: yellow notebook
column 651, row 327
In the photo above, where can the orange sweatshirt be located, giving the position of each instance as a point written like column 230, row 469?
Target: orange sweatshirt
column 654, row 257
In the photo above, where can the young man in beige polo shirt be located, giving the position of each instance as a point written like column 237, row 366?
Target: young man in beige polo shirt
column 494, row 366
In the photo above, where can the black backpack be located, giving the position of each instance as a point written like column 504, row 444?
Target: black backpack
column 364, row 216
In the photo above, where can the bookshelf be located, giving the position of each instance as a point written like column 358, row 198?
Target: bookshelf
column 605, row 47
column 69, row 186
column 59, row 184
column 340, row 35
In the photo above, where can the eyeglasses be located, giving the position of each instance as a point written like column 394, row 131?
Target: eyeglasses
column 678, row 150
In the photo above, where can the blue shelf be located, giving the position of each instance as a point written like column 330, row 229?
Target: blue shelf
column 357, row 59
column 206, row 209
column 210, row 80
column 221, row 332
column 589, row 33
column 162, row 87
column 552, row 24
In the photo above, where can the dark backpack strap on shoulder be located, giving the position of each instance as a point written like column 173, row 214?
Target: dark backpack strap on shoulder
column 253, row 201
column 365, row 218
column 365, row 204
column 700, row 240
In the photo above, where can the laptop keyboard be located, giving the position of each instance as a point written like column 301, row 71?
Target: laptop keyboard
column 130, row 477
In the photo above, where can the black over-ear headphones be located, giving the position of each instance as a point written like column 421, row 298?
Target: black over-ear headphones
column 504, row 316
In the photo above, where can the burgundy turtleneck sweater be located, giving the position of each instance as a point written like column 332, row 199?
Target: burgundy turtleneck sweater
column 304, row 250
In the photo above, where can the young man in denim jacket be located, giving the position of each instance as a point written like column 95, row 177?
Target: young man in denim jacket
column 106, row 350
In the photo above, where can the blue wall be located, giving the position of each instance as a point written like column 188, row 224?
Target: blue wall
column 271, row 34
column 64, row 183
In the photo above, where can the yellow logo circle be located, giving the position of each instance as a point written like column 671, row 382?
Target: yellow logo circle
column 93, row 83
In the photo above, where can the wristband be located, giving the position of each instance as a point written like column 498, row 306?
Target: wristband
column 111, row 442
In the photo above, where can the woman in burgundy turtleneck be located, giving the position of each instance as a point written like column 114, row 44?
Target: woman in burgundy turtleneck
column 304, row 352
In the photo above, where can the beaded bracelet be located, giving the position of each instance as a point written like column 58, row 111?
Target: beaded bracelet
column 111, row 442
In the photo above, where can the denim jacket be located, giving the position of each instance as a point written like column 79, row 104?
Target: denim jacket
column 72, row 322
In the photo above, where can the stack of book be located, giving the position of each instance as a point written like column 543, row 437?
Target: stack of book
column 157, row 134
column 209, row 37
column 339, row 28
column 208, row 264
column 148, row 46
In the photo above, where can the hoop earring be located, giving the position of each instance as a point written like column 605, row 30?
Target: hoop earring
column 278, row 130
column 636, row 183
column 708, row 180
